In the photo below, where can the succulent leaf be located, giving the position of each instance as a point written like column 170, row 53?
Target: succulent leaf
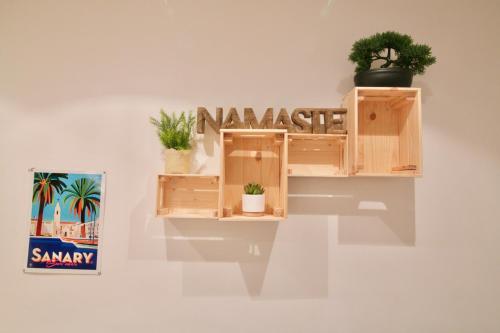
column 253, row 189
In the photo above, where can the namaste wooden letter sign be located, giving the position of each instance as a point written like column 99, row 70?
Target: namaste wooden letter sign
column 303, row 120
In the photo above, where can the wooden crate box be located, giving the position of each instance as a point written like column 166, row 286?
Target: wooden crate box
column 317, row 155
column 253, row 156
column 187, row 196
column 384, row 129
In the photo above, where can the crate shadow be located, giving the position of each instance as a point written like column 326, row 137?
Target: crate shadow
column 249, row 244
column 202, row 245
column 371, row 211
column 227, row 259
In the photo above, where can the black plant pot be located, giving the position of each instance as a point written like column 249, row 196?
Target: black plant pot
column 384, row 77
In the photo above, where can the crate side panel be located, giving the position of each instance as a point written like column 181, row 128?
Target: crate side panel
column 351, row 104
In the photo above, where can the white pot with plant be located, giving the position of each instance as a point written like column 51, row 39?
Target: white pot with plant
column 254, row 200
column 176, row 135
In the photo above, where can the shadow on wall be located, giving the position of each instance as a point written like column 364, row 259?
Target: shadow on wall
column 371, row 211
column 216, row 255
column 247, row 244
column 250, row 245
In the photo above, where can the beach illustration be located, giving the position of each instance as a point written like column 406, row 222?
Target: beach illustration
column 65, row 221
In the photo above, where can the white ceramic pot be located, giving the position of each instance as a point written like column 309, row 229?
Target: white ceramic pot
column 177, row 161
column 253, row 203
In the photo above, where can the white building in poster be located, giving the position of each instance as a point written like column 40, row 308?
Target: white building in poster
column 56, row 224
column 58, row 228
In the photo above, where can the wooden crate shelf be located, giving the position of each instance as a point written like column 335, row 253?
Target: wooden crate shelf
column 383, row 139
column 253, row 156
column 384, row 130
column 317, row 155
column 187, row 196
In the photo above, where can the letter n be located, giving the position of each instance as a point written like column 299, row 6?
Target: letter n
column 203, row 116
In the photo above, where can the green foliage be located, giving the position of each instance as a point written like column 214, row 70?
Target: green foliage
column 85, row 197
column 395, row 49
column 44, row 187
column 175, row 132
column 253, row 188
column 45, row 184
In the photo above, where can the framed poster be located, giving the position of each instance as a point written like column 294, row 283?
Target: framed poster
column 65, row 224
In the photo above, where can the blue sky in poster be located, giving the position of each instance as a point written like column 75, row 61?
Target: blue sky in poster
column 66, row 214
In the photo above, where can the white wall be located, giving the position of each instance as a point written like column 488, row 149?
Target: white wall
column 78, row 81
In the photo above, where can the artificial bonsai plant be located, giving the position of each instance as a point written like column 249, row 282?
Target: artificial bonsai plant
column 176, row 135
column 253, row 201
column 400, row 56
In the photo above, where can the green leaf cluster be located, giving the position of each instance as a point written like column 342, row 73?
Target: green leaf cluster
column 85, row 197
column 253, row 188
column 175, row 132
column 397, row 50
column 46, row 184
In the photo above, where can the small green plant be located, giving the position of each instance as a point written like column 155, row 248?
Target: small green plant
column 254, row 188
column 397, row 50
column 175, row 132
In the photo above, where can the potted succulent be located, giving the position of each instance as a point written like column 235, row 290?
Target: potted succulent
column 253, row 201
column 176, row 135
column 401, row 60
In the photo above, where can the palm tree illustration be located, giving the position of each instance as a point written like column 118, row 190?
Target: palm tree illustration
column 44, row 186
column 85, row 196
